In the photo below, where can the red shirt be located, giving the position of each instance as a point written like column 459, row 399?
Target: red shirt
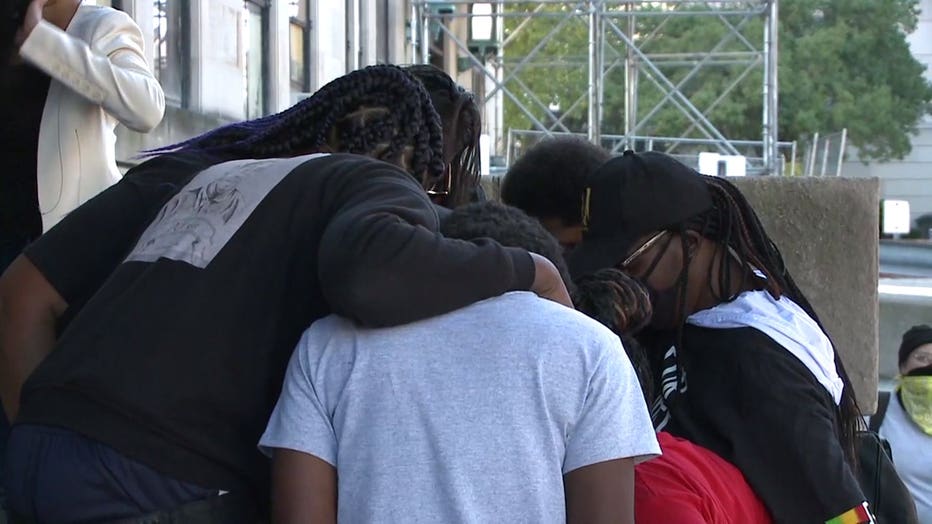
column 689, row 484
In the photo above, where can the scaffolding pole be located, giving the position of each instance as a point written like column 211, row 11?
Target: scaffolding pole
column 631, row 81
column 595, row 72
column 771, row 90
column 616, row 42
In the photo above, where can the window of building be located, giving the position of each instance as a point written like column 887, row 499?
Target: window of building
column 171, row 38
column 256, row 71
column 116, row 4
column 383, row 32
column 299, row 36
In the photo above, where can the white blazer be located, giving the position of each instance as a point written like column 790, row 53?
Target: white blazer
column 100, row 77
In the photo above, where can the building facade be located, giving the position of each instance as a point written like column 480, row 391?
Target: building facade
column 910, row 178
column 221, row 61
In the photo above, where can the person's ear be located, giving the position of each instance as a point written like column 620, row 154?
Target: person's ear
column 693, row 243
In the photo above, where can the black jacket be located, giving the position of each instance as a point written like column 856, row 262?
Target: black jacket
column 179, row 366
column 752, row 402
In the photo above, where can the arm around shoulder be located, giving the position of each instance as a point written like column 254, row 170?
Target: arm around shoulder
column 382, row 261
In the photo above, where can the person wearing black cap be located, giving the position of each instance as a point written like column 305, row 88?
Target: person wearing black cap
column 744, row 366
column 907, row 421
column 686, row 484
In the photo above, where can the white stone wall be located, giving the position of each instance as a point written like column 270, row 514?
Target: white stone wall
column 351, row 34
column 344, row 35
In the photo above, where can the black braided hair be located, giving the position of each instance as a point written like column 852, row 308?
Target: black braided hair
column 733, row 224
column 379, row 111
column 622, row 304
column 462, row 125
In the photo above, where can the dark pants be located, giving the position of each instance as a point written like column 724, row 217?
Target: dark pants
column 55, row 475
column 10, row 248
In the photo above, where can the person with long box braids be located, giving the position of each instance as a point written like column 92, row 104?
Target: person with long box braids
column 687, row 484
column 146, row 336
column 743, row 365
column 462, row 125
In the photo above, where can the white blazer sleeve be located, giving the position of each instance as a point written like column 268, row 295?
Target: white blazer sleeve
column 111, row 72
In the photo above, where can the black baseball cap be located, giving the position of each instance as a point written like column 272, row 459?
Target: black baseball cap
column 916, row 336
column 630, row 196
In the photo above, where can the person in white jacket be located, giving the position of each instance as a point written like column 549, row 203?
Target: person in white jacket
column 79, row 71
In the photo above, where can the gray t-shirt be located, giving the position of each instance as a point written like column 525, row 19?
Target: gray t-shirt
column 473, row 416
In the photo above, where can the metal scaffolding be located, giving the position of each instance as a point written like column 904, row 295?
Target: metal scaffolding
column 620, row 35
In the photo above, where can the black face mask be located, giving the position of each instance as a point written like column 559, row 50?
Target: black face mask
column 664, row 302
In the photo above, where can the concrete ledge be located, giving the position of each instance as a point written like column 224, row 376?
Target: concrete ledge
column 827, row 230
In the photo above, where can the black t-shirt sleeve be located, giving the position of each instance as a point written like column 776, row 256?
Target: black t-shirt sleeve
column 79, row 253
column 382, row 261
column 781, row 426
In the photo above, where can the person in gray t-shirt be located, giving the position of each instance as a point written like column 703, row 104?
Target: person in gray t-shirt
column 514, row 409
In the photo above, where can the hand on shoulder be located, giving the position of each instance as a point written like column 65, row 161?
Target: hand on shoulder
column 548, row 283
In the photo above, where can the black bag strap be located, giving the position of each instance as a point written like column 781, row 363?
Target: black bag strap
column 883, row 400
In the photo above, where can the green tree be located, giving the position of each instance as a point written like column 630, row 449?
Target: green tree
column 843, row 64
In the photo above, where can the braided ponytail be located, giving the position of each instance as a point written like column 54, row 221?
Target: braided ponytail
column 379, row 111
column 462, row 125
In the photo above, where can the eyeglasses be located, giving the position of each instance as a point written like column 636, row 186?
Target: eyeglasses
column 442, row 187
column 641, row 250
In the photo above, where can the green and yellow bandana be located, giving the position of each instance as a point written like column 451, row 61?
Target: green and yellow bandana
column 916, row 394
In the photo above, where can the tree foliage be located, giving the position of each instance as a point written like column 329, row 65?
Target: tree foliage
column 842, row 64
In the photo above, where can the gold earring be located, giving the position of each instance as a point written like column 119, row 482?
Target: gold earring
column 585, row 208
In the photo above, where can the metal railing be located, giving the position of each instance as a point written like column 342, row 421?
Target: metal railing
column 823, row 155
column 685, row 150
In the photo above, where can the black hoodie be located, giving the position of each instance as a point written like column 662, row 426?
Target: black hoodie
column 176, row 360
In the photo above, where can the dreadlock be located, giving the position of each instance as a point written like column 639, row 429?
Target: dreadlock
column 622, row 304
column 461, row 120
column 733, row 224
column 378, row 111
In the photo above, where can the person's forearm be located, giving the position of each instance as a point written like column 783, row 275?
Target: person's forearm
column 29, row 310
column 304, row 488
column 601, row 493
column 25, row 340
column 383, row 263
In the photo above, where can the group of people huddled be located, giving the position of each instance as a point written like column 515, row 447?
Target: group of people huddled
column 316, row 316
